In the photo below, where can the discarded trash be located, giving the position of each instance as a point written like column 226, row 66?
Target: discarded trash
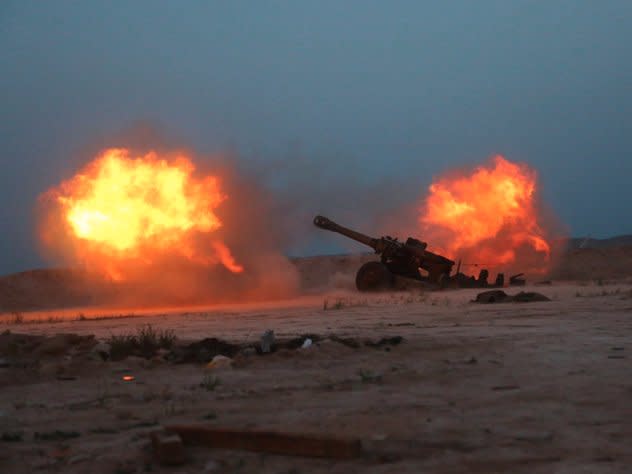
column 220, row 362
column 307, row 343
column 128, row 378
column 267, row 341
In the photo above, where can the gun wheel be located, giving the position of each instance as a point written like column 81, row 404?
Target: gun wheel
column 374, row 276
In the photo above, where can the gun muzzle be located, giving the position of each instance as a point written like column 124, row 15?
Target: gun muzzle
column 324, row 223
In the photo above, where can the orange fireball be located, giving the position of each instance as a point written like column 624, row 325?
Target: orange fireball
column 487, row 216
column 121, row 208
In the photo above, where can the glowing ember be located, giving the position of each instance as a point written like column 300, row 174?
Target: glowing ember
column 125, row 208
column 488, row 216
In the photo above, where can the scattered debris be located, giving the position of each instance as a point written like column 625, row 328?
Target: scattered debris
column 267, row 341
column 307, row 343
column 268, row 441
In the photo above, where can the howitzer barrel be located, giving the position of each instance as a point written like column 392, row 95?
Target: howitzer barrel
column 327, row 224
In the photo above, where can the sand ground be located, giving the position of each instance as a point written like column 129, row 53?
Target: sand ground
column 513, row 387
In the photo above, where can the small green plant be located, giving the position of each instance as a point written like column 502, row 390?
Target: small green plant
column 145, row 342
column 121, row 346
column 210, row 382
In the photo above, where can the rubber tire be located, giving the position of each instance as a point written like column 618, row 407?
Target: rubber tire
column 374, row 276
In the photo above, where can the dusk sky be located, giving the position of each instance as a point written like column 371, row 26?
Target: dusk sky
column 372, row 92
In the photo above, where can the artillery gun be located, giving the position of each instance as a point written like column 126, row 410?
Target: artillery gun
column 409, row 260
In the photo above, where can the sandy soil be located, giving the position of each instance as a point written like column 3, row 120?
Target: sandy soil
column 532, row 387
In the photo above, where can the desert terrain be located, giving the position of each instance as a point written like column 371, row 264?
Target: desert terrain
column 426, row 381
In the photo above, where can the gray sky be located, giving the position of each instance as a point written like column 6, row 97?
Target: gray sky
column 367, row 90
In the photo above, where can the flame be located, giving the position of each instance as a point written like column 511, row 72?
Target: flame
column 487, row 216
column 120, row 209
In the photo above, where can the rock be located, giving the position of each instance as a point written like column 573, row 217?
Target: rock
column 211, row 466
column 385, row 341
column 202, row 351
column 51, row 369
column 55, row 345
column 168, row 448
column 78, row 458
column 249, row 351
column 492, row 296
column 529, row 296
column 534, row 436
column 161, row 353
column 499, row 296
column 102, row 349
column 267, row 341
column 220, row 362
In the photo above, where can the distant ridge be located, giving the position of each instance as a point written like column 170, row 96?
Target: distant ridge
column 590, row 243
